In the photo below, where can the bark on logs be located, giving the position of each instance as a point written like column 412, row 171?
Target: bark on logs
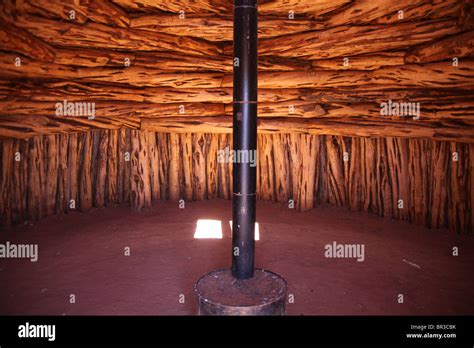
column 422, row 181
column 140, row 188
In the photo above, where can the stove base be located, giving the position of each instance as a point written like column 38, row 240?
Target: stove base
column 219, row 293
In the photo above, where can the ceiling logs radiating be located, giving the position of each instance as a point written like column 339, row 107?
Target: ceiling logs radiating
column 325, row 66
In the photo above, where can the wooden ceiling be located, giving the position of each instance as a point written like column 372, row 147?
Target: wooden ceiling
column 324, row 66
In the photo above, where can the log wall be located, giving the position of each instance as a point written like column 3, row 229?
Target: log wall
column 423, row 181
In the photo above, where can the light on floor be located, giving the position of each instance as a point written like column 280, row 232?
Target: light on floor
column 211, row 229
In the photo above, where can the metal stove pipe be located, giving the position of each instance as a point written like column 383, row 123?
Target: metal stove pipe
column 244, row 138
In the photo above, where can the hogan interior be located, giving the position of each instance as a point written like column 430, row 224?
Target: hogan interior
column 124, row 104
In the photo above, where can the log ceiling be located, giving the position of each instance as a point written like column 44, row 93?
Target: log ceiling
column 325, row 67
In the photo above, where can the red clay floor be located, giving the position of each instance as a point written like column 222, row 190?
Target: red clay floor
column 84, row 255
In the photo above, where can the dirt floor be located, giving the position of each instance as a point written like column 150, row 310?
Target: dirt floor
column 84, row 255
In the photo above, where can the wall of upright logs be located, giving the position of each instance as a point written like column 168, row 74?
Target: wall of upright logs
column 423, row 181
column 161, row 86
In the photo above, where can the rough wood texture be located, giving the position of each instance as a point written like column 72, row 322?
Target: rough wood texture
column 71, row 35
column 124, row 169
column 216, row 28
column 21, row 41
column 281, row 163
column 52, row 150
column 422, row 181
column 97, row 11
column 73, row 171
column 457, row 46
column 352, row 40
column 85, row 176
column 177, row 5
column 326, row 58
column 160, row 76
column 153, row 152
column 345, row 126
column 7, row 161
column 140, row 188
column 199, row 159
column 101, row 170
column 211, row 165
column 112, row 168
column 387, row 11
column 312, row 8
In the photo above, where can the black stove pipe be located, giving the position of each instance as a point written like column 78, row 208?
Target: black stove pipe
column 244, row 138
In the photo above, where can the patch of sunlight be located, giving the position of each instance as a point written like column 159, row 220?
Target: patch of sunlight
column 211, row 229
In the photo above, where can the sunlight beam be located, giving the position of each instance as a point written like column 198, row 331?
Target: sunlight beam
column 208, row 229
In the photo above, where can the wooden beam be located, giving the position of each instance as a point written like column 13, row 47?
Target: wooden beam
column 136, row 76
column 111, row 109
column 436, row 130
column 217, row 28
column 295, row 108
column 450, row 114
column 98, row 11
column 166, row 61
column 300, row 7
column 362, row 62
column 25, row 127
column 458, row 108
column 368, row 94
column 456, row 46
column 433, row 75
column 46, row 91
column 350, row 40
column 188, row 125
column 200, row 6
column 220, row 125
column 345, row 126
column 269, row 7
column 18, row 40
column 386, row 11
column 36, row 90
column 94, row 34
column 430, row 75
column 103, row 108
